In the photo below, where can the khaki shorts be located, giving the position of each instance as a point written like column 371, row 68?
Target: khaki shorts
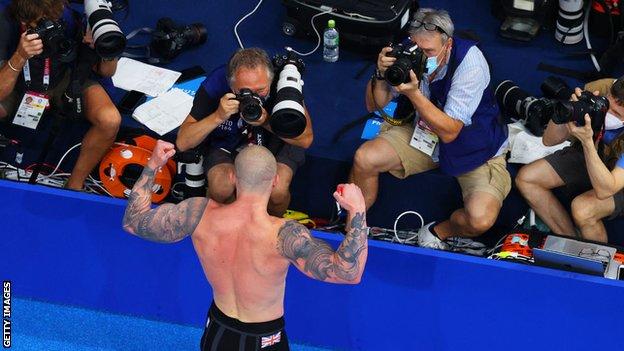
column 492, row 177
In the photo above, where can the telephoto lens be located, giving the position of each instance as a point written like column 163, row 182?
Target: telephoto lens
column 109, row 40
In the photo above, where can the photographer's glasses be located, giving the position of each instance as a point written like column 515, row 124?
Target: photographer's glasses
column 428, row 26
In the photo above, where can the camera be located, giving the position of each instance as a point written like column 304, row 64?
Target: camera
column 536, row 112
column 574, row 111
column 169, row 39
column 109, row 40
column 250, row 107
column 412, row 58
column 288, row 116
column 55, row 43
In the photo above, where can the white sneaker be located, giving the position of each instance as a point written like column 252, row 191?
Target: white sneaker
column 426, row 238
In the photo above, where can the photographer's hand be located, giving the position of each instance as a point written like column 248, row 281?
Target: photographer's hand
column 228, row 105
column 29, row 45
column 383, row 61
column 409, row 89
column 583, row 133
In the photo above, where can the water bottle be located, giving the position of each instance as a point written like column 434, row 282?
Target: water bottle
column 330, row 42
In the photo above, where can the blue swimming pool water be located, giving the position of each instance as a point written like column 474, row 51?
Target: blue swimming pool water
column 44, row 326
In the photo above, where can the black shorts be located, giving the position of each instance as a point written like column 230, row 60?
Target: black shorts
column 223, row 333
column 290, row 155
column 569, row 164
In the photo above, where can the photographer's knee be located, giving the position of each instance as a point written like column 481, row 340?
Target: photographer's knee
column 481, row 223
column 108, row 120
column 363, row 159
column 582, row 209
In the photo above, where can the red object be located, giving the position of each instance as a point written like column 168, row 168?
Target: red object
column 612, row 4
column 519, row 243
column 339, row 189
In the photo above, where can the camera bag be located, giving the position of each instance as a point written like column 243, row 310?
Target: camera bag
column 364, row 25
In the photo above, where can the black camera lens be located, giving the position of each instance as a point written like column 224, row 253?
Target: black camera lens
column 250, row 110
column 556, row 88
column 250, row 107
column 398, row 73
column 195, row 34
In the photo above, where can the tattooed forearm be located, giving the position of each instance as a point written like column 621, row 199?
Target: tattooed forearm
column 317, row 259
column 167, row 223
column 139, row 200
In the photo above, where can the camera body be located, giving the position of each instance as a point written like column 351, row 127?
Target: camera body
column 574, row 111
column 407, row 58
column 55, row 42
column 536, row 112
column 169, row 39
column 250, row 107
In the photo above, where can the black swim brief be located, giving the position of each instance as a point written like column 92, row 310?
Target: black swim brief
column 224, row 333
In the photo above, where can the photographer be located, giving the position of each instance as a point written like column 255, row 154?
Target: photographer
column 583, row 168
column 215, row 121
column 30, row 69
column 457, row 122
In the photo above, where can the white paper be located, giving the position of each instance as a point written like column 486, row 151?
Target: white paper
column 165, row 112
column 526, row 147
column 151, row 80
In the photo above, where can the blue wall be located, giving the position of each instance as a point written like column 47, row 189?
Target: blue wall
column 67, row 247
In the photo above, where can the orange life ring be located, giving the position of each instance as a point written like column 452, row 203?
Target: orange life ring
column 123, row 164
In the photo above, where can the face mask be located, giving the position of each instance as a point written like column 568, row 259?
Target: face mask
column 432, row 63
column 612, row 122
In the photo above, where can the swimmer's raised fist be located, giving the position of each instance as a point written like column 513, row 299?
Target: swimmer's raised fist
column 350, row 197
column 161, row 154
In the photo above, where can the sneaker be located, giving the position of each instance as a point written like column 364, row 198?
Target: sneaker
column 426, row 238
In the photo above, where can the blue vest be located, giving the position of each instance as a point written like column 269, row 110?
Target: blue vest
column 477, row 142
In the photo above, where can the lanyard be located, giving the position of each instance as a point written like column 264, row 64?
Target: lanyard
column 46, row 74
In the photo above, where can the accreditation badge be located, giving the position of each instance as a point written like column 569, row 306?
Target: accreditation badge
column 424, row 139
column 31, row 110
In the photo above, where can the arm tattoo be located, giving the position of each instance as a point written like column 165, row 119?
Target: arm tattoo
column 316, row 258
column 166, row 223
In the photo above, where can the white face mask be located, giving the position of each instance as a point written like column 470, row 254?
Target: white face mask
column 612, row 122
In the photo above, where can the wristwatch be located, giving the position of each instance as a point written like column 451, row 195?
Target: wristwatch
column 377, row 75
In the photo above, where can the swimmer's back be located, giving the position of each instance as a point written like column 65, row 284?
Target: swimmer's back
column 237, row 247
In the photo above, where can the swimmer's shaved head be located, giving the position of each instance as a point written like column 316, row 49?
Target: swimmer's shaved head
column 255, row 169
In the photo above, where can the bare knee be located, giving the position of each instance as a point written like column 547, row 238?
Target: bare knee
column 364, row 160
column 583, row 210
column 480, row 223
column 108, row 120
column 524, row 179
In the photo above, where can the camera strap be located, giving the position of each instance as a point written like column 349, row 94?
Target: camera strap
column 46, row 74
column 390, row 119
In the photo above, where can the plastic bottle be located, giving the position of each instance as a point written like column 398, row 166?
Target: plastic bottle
column 330, row 42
